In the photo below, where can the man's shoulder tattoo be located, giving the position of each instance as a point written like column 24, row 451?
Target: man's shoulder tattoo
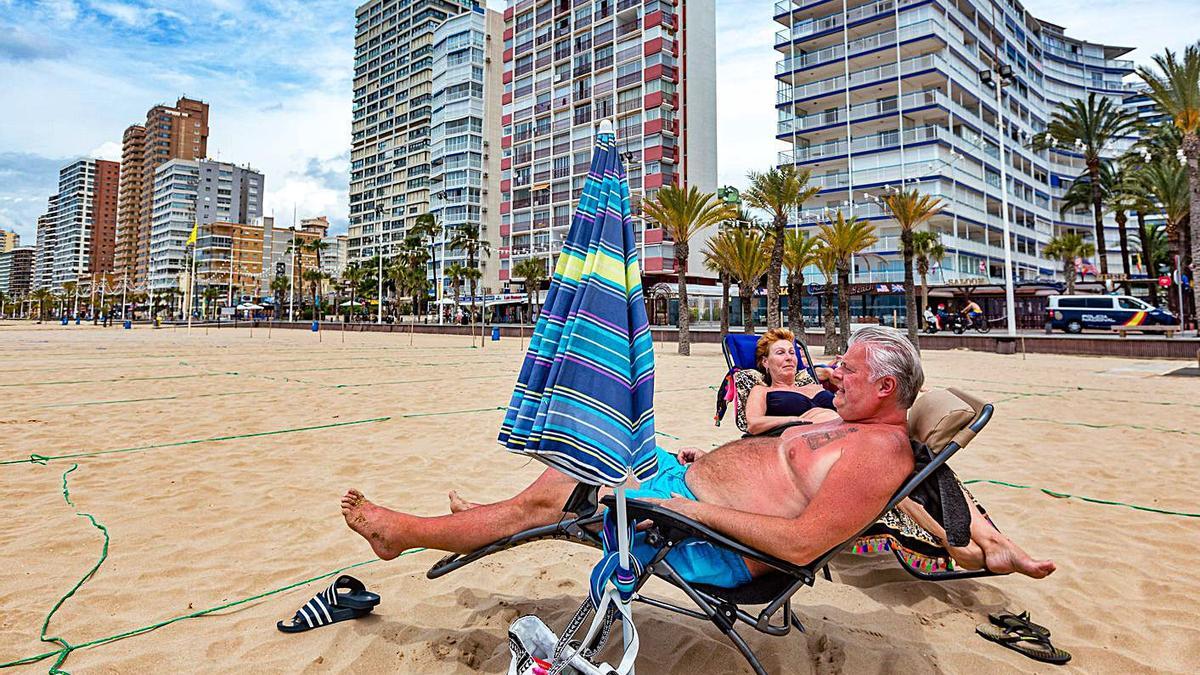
column 819, row 439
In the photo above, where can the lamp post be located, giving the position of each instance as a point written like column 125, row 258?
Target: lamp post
column 379, row 254
column 1003, row 77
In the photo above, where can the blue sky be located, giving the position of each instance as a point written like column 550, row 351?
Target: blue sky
column 278, row 73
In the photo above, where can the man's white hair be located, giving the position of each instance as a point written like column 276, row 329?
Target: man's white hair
column 889, row 353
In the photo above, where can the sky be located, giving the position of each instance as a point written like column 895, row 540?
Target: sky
column 278, row 77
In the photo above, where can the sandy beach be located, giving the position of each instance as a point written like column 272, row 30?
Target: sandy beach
column 225, row 454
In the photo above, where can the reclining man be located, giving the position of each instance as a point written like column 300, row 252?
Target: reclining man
column 793, row 497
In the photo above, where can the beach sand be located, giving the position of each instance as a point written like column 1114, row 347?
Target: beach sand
column 198, row 523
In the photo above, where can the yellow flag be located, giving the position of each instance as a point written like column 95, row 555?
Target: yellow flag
column 192, row 237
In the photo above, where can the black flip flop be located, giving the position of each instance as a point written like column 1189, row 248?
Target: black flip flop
column 331, row 606
column 1008, row 620
column 1024, row 640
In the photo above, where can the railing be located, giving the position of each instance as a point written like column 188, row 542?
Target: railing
column 838, row 116
column 824, row 23
column 880, row 39
column 886, row 71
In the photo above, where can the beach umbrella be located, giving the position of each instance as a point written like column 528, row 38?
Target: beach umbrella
column 584, row 399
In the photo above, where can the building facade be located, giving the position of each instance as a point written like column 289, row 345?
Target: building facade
column 170, row 132
column 229, row 257
column 288, row 252
column 465, row 141
column 335, row 255
column 648, row 66
column 9, row 240
column 47, row 231
column 202, row 192
column 392, row 110
column 16, row 271
column 83, row 220
column 876, row 94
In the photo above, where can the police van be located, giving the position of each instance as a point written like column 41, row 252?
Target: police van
column 1073, row 313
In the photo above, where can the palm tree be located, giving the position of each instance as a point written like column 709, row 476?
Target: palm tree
column 353, row 276
column 799, row 251
column 911, row 209
column 1155, row 253
column 210, row 295
column 466, row 239
column 827, row 264
column 927, row 250
column 845, row 238
column 1176, row 90
column 531, row 272
column 42, row 296
column 712, row 264
column 681, row 214
column 314, row 279
column 457, row 274
column 1067, row 247
column 280, row 286
column 316, row 246
column 779, row 191
column 742, row 254
column 1088, row 126
column 426, row 228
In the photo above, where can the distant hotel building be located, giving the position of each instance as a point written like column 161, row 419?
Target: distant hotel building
column 871, row 93
column 75, row 237
column 200, row 191
column 16, row 271
column 648, row 66
column 170, row 132
column 9, row 240
column 392, row 118
column 464, row 152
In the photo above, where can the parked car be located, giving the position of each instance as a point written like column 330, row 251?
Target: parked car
column 1074, row 313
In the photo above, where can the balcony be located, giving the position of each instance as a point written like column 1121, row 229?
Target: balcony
column 860, row 111
column 875, row 40
column 813, row 153
column 884, row 72
column 819, row 25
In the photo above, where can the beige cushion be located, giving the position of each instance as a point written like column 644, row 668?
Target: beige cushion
column 942, row 415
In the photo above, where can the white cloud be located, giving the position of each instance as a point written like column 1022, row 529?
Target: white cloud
column 110, row 150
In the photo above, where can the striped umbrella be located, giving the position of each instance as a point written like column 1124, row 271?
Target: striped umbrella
column 584, row 400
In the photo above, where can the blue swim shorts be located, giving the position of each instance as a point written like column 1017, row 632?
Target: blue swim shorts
column 696, row 561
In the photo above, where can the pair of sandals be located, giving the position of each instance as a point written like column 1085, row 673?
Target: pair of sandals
column 1023, row 636
column 347, row 598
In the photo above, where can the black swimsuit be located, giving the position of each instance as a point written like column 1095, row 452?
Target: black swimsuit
column 792, row 403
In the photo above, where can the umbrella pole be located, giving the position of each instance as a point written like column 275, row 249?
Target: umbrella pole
column 623, row 558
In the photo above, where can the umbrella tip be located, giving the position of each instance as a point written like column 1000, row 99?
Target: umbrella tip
column 606, row 127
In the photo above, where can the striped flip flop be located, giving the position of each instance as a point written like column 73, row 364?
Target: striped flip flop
column 1024, row 640
column 332, row 605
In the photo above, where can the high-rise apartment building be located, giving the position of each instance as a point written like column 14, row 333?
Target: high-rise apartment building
column 170, row 132
column 647, row 65
column 334, row 257
column 47, row 231
column 875, row 94
column 392, row 109
column 9, row 240
column 465, row 139
column 16, row 271
column 86, row 220
column 187, row 192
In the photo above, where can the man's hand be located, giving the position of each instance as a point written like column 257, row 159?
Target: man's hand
column 688, row 508
column 688, row 455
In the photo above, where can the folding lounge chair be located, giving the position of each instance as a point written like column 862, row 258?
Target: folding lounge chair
column 743, row 374
column 948, row 419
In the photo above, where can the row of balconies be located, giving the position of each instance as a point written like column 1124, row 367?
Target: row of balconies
column 809, row 27
column 863, row 110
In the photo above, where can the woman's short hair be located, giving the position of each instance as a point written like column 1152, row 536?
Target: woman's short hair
column 764, row 345
column 889, row 353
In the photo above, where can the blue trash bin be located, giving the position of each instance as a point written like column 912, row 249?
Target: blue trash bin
column 128, row 324
column 316, row 325
column 65, row 320
column 76, row 319
column 495, row 333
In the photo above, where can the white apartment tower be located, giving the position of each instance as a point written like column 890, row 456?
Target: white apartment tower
column 392, row 111
column 647, row 65
column 875, row 94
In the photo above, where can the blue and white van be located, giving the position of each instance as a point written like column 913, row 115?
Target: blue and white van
column 1074, row 313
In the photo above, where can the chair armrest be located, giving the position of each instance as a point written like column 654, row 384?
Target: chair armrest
column 677, row 527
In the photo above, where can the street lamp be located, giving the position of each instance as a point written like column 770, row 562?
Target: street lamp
column 1002, row 78
column 379, row 254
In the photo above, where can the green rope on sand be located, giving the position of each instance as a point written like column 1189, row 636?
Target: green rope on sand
column 113, row 380
column 1063, row 495
column 455, row 412
column 42, row 459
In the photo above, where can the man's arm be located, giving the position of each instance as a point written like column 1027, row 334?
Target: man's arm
column 856, row 489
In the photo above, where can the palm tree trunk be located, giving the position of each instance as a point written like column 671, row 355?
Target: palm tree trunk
column 828, row 319
column 775, row 271
column 1147, row 260
column 1191, row 153
column 1098, row 215
column 1122, row 219
column 924, row 297
column 685, row 312
column 724, row 303
column 1069, row 273
column 747, row 313
column 843, row 307
column 910, row 300
column 796, row 306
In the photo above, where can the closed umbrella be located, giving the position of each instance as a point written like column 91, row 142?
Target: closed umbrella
column 584, row 399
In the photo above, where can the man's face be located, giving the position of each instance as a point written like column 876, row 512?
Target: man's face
column 857, row 396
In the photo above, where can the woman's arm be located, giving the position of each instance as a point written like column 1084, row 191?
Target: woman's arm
column 757, row 420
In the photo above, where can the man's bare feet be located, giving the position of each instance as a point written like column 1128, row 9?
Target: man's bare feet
column 1004, row 557
column 458, row 504
column 374, row 523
